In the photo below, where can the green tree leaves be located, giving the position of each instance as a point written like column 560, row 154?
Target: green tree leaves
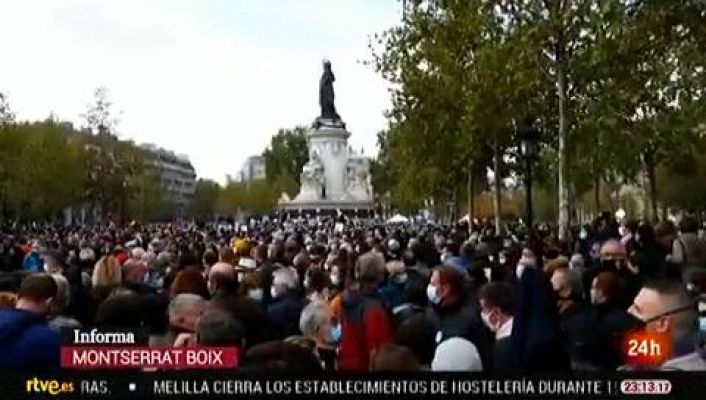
column 205, row 199
column 42, row 169
column 630, row 77
column 285, row 157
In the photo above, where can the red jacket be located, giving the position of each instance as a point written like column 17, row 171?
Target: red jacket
column 365, row 326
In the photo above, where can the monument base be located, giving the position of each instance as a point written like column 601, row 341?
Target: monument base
column 321, row 205
column 334, row 178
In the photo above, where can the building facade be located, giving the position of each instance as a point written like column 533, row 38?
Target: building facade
column 253, row 169
column 176, row 176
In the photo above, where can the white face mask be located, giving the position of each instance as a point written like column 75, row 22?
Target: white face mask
column 255, row 294
column 583, row 234
column 433, row 294
column 273, row 292
column 520, row 269
column 486, row 320
column 335, row 280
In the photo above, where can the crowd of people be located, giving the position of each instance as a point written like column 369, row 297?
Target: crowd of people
column 346, row 294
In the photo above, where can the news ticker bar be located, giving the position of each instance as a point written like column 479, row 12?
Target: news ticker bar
column 147, row 385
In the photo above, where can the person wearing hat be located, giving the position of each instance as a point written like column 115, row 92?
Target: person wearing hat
column 456, row 354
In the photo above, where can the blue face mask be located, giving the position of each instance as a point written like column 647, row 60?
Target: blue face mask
column 702, row 324
column 335, row 333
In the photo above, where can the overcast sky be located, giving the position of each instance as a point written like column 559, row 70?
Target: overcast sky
column 213, row 79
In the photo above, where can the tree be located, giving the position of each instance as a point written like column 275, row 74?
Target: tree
column 46, row 170
column 7, row 116
column 205, row 199
column 598, row 77
column 384, row 172
column 286, row 155
column 256, row 197
column 99, row 116
column 454, row 97
column 147, row 200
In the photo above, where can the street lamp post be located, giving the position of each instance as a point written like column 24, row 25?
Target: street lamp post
column 529, row 150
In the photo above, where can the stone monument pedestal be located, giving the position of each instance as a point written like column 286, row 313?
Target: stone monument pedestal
column 333, row 178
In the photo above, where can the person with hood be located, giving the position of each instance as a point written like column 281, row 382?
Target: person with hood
column 27, row 342
column 365, row 323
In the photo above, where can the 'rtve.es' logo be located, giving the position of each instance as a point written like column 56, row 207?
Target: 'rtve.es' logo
column 52, row 387
column 646, row 349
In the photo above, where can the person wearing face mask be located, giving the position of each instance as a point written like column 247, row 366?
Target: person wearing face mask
column 601, row 337
column 317, row 323
column 392, row 292
column 453, row 310
column 497, row 303
column 568, row 290
column 613, row 258
column 27, row 342
column 223, row 286
column 286, row 304
column 665, row 307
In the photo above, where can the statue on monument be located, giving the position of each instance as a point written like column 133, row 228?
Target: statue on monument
column 312, row 179
column 328, row 116
column 358, row 180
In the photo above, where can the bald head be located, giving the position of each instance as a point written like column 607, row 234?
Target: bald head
column 222, row 277
column 667, row 307
column 613, row 250
column 223, row 270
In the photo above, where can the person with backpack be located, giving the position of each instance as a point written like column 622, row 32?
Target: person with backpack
column 365, row 321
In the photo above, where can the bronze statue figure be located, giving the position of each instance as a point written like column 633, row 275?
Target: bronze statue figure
column 326, row 96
